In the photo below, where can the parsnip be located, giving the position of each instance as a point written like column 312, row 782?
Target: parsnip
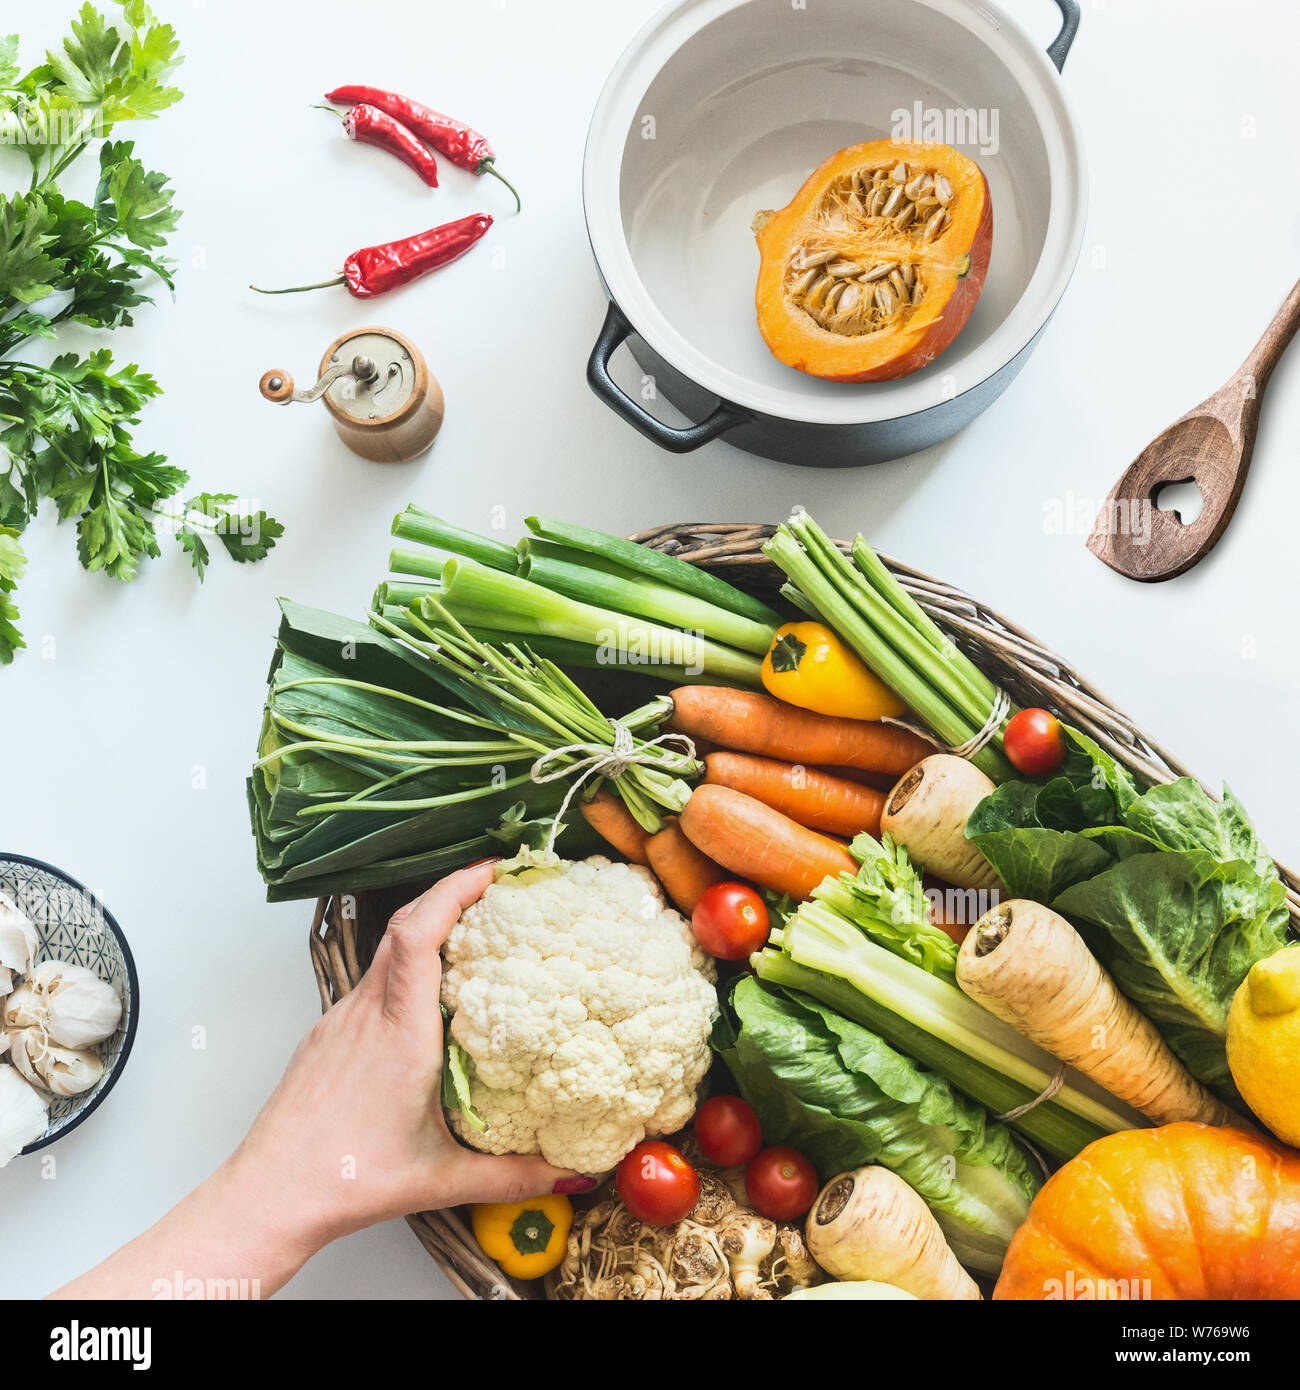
column 869, row 1224
column 926, row 813
column 1029, row 967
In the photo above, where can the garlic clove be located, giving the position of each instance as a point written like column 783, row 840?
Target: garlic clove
column 23, row 1115
column 80, row 1009
column 68, row 1071
column 18, row 941
column 25, row 1007
column 65, row 1071
column 26, row 1051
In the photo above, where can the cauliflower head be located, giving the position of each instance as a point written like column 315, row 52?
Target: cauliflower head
column 584, row 1005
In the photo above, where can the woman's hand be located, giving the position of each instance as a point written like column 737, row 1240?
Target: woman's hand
column 357, row 1121
column 353, row 1134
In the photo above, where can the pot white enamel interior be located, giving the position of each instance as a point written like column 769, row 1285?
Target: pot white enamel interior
column 722, row 107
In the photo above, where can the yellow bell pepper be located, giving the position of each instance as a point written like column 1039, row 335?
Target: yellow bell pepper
column 810, row 667
column 526, row 1239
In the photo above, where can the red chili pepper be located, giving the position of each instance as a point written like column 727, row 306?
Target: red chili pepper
column 368, row 125
column 377, row 269
column 466, row 148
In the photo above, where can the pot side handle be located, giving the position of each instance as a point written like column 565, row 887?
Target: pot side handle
column 1059, row 48
column 677, row 441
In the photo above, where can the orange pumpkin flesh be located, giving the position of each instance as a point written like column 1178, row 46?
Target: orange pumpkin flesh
column 1184, row 1211
column 873, row 268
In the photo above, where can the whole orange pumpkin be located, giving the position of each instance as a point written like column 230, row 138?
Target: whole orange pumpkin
column 1183, row 1211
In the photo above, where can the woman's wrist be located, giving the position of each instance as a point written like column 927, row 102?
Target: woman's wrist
column 272, row 1224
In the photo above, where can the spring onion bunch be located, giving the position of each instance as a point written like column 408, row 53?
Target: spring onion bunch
column 394, row 751
column 864, row 603
column 610, row 602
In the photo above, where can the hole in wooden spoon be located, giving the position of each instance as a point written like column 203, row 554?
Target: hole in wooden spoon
column 1183, row 499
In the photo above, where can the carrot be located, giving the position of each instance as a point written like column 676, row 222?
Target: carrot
column 760, row 844
column 950, row 909
column 1030, row 968
column 609, row 818
column 753, row 723
column 684, row 872
column 815, row 799
column 882, row 781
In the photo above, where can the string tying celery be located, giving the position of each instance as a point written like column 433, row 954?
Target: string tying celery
column 871, row 611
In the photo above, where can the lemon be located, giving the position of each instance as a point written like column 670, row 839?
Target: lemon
column 1264, row 1042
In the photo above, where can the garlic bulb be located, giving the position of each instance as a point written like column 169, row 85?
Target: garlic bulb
column 18, row 942
column 66, row 1071
column 23, row 1115
column 75, row 1008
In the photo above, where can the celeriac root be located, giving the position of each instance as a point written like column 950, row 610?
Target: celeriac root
column 1029, row 967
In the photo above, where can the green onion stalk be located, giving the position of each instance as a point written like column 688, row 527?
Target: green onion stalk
column 550, row 717
column 866, row 606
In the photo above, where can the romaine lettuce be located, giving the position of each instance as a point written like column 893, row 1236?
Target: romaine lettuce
column 1174, row 892
column 841, row 1095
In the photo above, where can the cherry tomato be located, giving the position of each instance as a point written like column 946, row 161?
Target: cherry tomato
column 1034, row 742
column 656, row 1184
column 781, row 1184
column 727, row 1130
column 730, row 921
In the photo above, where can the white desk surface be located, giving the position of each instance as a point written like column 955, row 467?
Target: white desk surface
column 125, row 754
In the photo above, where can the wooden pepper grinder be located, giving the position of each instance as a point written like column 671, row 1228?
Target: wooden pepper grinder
column 386, row 404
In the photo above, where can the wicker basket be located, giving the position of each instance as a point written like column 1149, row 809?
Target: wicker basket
column 346, row 930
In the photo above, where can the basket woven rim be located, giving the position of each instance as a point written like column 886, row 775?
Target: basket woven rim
column 1009, row 655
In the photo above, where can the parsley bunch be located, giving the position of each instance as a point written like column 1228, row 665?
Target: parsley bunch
column 66, row 429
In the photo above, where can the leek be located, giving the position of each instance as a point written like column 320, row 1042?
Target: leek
column 415, row 524
column 622, row 638
column 626, row 592
column 655, row 565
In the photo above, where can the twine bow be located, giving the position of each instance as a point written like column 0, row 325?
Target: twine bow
column 991, row 725
column 603, row 760
column 1001, row 705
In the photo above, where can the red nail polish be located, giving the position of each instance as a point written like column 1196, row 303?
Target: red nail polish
column 491, row 859
column 570, row 1187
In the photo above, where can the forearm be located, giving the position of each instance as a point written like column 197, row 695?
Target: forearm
column 232, row 1237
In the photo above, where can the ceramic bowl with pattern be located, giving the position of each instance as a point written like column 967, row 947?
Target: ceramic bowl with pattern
column 73, row 925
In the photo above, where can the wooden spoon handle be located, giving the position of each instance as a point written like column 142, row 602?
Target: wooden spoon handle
column 1271, row 346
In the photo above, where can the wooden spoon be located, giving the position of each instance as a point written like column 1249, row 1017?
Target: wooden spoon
column 1211, row 446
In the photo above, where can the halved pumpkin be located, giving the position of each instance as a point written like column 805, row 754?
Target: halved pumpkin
column 873, row 268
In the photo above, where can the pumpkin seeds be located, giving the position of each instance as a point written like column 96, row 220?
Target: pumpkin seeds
column 849, row 290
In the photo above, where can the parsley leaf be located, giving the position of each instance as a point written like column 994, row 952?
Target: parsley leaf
column 12, row 564
column 245, row 535
column 28, row 229
column 66, row 429
column 8, row 59
column 134, row 203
